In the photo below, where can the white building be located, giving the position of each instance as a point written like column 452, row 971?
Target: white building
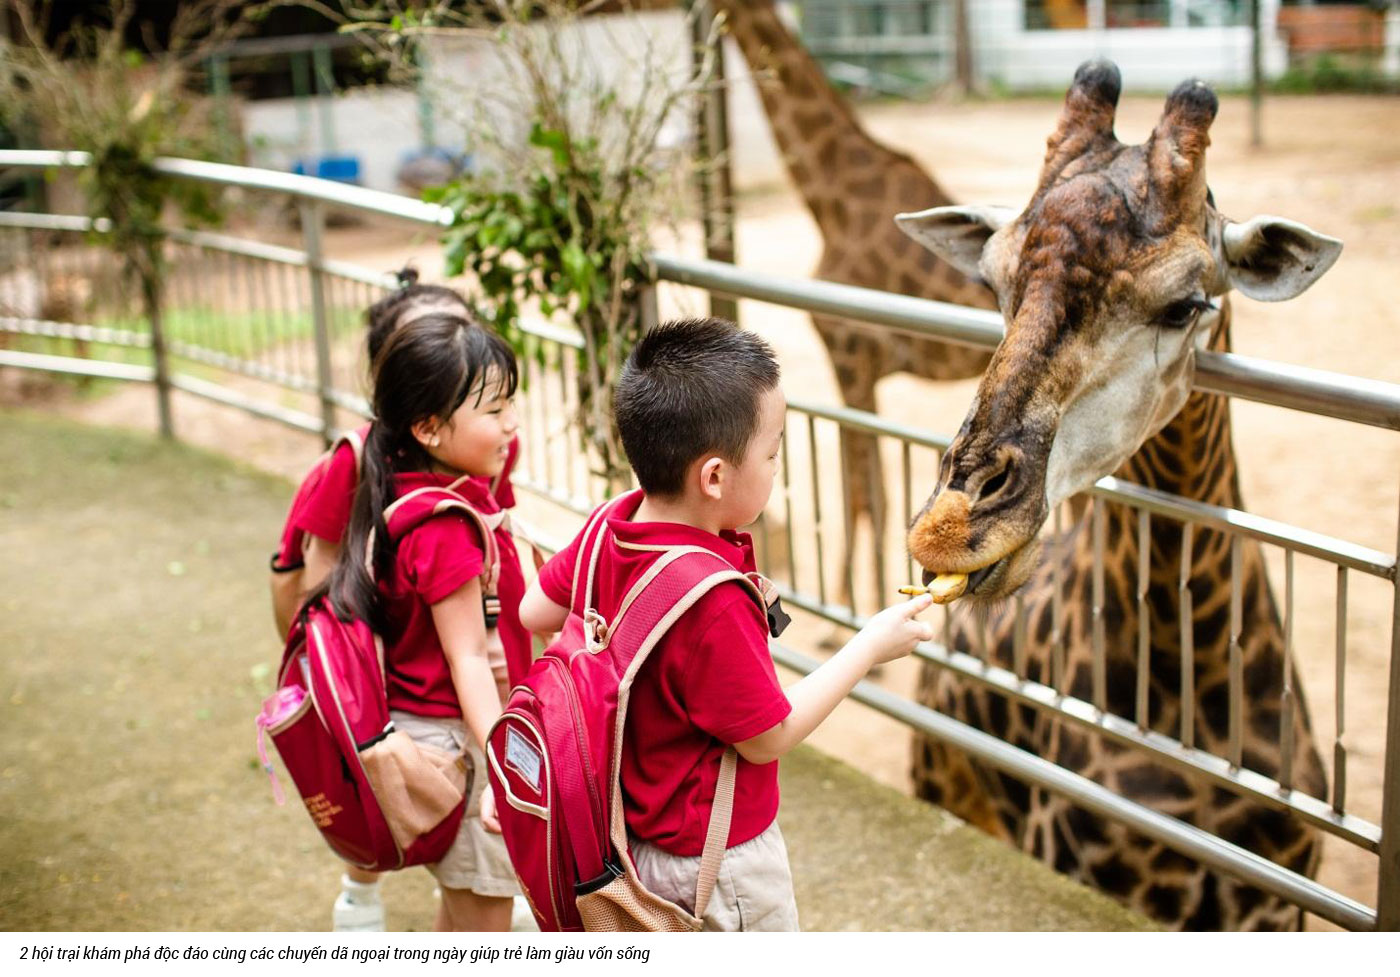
column 1021, row 45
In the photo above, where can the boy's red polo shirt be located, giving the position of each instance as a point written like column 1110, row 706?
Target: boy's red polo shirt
column 431, row 561
column 324, row 509
column 709, row 682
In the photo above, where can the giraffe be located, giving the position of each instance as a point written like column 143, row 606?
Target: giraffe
column 851, row 183
column 1108, row 281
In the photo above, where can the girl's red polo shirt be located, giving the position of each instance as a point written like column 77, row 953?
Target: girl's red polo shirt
column 324, row 509
column 709, row 682
column 432, row 561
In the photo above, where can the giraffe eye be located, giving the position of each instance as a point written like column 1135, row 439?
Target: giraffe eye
column 1180, row 315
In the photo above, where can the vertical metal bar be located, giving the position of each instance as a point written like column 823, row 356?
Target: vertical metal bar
column 877, row 520
column 648, row 309
column 1100, row 668
column 1388, row 894
column 1188, row 640
column 246, row 318
column 849, row 521
column 1236, row 743
column 537, row 392
column 225, row 302
column 564, row 356
column 816, row 508
column 1285, row 723
column 1057, row 605
column 287, row 321
column 1018, row 638
column 907, row 481
column 529, row 438
column 151, row 291
column 1339, row 750
column 1144, row 659
column 312, row 223
column 787, row 512
column 979, row 639
column 269, row 328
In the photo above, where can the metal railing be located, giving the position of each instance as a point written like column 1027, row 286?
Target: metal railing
column 274, row 330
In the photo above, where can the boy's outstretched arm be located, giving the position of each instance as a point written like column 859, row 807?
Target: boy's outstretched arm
column 891, row 634
column 540, row 614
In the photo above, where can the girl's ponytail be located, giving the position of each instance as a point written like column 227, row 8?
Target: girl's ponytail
column 352, row 588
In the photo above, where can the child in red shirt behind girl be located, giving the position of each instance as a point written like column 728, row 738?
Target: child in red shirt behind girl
column 444, row 417
column 321, row 511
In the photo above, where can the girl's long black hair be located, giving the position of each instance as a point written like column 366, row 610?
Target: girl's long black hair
column 426, row 369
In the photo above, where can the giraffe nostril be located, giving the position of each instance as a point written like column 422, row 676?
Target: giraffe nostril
column 996, row 482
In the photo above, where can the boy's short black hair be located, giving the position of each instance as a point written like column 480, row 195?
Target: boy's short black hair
column 690, row 388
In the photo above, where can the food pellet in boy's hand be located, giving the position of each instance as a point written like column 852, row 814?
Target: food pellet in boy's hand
column 944, row 588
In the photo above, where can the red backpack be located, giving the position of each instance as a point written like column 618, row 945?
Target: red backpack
column 554, row 755
column 289, row 562
column 381, row 800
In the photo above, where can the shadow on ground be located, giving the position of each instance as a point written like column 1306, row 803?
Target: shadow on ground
column 138, row 644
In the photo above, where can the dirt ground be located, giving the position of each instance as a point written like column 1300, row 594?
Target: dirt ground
column 1331, row 162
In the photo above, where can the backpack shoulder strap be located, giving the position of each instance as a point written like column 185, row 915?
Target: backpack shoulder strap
column 589, row 548
column 412, row 509
column 670, row 587
column 356, row 441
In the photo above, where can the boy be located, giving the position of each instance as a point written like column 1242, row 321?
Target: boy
column 701, row 418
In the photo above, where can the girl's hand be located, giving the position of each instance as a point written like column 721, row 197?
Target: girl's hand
column 895, row 631
column 489, row 821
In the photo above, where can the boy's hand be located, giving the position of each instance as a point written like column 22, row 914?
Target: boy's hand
column 895, row 631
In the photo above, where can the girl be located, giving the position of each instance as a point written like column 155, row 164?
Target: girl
column 321, row 510
column 444, row 417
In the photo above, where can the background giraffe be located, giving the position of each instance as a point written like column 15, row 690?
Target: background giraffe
column 851, row 184
column 1132, row 212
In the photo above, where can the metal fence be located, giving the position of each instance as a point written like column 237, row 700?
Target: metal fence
column 274, row 331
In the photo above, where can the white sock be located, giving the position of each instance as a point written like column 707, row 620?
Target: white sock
column 359, row 892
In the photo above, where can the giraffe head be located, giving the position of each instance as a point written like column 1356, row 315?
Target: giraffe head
column 1108, row 281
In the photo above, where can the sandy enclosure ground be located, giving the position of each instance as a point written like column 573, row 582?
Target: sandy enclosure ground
column 1332, row 162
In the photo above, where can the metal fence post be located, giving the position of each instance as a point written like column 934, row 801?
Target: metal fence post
column 312, row 221
column 152, row 294
column 648, row 309
column 1388, row 869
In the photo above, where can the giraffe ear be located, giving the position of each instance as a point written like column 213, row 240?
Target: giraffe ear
column 1271, row 259
column 956, row 234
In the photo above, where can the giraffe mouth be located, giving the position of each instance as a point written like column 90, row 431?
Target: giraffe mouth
column 976, row 578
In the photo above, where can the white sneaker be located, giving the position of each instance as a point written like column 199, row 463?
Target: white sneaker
column 521, row 919
column 357, row 909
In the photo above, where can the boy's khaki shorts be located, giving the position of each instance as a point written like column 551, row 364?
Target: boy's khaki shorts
column 477, row 860
column 753, row 892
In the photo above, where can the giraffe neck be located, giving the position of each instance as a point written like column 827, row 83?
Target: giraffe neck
column 819, row 136
column 1194, row 455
